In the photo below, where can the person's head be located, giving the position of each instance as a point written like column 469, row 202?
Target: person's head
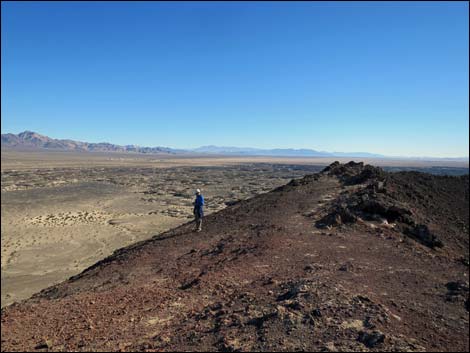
column 198, row 192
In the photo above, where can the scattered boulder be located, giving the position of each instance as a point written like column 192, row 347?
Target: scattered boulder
column 190, row 283
column 380, row 208
column 231, row 202
column 44, row 344
column 422, row 234
column 309, row 268
column 337, row 216
column 458, row 291
column 258, row 321
column 353, row 173
column 293, row 290
column 457, row 287
column 316, row 312
column 371, row 339
column 367, row 173
column 346, row 267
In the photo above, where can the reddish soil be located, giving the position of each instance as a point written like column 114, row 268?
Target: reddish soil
column 262, row 276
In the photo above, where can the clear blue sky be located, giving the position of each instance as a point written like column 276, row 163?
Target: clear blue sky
column 388, row 78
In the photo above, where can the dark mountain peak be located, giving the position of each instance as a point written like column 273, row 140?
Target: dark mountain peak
column 28, row 133
column 31, row 136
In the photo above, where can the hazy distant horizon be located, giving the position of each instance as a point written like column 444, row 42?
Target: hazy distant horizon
column 381, row 77
column 190, row 149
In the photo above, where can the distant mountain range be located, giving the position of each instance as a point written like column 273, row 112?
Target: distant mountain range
column 30, row 140
column 282, row 152
column 33, row 140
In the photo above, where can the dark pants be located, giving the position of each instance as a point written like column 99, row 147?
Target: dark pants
column 198, row 215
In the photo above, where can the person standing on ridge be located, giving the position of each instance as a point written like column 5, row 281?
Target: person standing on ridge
column 198, row 210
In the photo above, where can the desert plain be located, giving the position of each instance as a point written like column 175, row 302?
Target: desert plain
column 61, row 212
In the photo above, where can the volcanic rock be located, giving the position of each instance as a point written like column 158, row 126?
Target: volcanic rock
column 260, row 277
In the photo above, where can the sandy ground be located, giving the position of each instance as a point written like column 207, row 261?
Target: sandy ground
column 62, row 212
column 51, row 234
column 61, row 216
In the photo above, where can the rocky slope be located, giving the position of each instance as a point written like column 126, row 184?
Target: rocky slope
column 352, row 258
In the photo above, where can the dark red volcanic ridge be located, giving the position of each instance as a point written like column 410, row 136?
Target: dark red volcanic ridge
column 349, row 259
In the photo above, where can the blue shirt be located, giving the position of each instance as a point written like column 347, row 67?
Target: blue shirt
column 199, row 201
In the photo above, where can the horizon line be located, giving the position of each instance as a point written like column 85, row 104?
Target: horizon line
column 189, row 149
